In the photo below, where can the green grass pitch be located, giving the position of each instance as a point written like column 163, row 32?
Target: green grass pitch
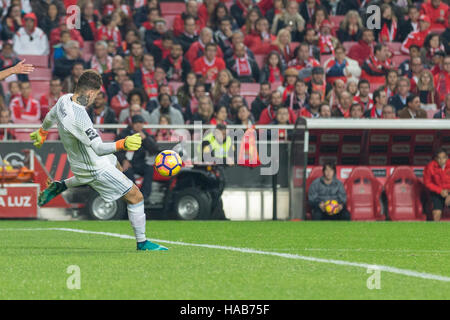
column 34, row 263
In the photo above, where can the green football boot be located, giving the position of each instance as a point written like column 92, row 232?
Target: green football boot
column 53, row 189
column 150, row 246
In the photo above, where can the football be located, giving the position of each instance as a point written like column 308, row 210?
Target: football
column 168, row 163
column 331, row 207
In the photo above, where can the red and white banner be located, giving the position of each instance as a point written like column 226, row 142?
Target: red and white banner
column 19, row 200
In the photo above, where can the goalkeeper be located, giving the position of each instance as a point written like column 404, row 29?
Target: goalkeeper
column 92, row 160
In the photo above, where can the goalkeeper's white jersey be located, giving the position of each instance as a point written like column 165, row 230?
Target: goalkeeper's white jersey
column 77, row 133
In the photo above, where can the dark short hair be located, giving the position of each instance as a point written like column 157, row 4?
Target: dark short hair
column 329, row 164
column 89, row 80
column 410, row 98
column 221, row 126
column 439, row 151
column 363, row 81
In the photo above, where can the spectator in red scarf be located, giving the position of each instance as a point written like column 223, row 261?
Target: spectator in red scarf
column 442, row 81
column 304, row 60
column 290, row 77
column 416, row 69
column 100, row 61
column 144, row 76
column 380, row 100
column 391, row 82
column 319, row 16
column 438, row 12
column 24, row 108
column 48, row 100
column 350, row 28
column 298, row 99
column 342, row 109
column 239, row 11
column 197, row 49
column 356, row 111
column 364, row 48
column 100, row 113
column 120, row 100
column 273, row 69
column 327, row 42
column 116, row 5
column 437, row 62
column 242, row 67
column 109, row 29
column 436, row 178
column 175, row 65
column 315, row 104
column 363, row 95
column 389, row 31
column 261, row 40
column 269, row 113
column 160, row 49
column 209, row 65
column 417, row 37
column 318, row 82
column 191, row 10
column 89, row 21
column 431, row 46
column 133, row 61
column 376, row 67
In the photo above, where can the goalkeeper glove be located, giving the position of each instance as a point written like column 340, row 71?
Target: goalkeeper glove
column 39, row 137
column 130, row 143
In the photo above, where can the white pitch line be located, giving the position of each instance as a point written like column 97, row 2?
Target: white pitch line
column 405, row 272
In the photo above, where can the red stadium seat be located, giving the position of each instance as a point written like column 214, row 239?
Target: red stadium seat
column 175, row 85
column 403, row 192
column 315, row 173
column 363, row 195
column 38, row 88
column 394, row 47
column 37, row 61
column 23, row 134
column 249, row 100
column 260, row 60
column 40, row 74
column 375, row 86
column 348, row 44
column 249, row 89
column 172, row 8
column 336, row 21
column 169, row 20
column 324, row 58
column 398, row 60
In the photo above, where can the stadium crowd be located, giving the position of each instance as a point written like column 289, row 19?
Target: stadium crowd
column 232, row 62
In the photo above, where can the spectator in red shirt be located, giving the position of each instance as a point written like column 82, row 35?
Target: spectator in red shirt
column 24, row 108
column 197, row 49
column 49, row 99
column 304, row 60
column 417, row 37
column 55, row 34
column 120, row 100
column 260, row 41
column 442, row 81
column 209, row 65
column 191, row 10
column 437, row 11
column 364, row 47
column 109, row 29
column 363, row 95
column 436, row 178
column 376, row 67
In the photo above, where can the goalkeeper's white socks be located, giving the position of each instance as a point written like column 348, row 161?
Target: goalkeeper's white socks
column 136, row 215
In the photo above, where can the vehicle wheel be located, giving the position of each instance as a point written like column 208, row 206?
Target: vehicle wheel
column 192, row 204
column 98, row 209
